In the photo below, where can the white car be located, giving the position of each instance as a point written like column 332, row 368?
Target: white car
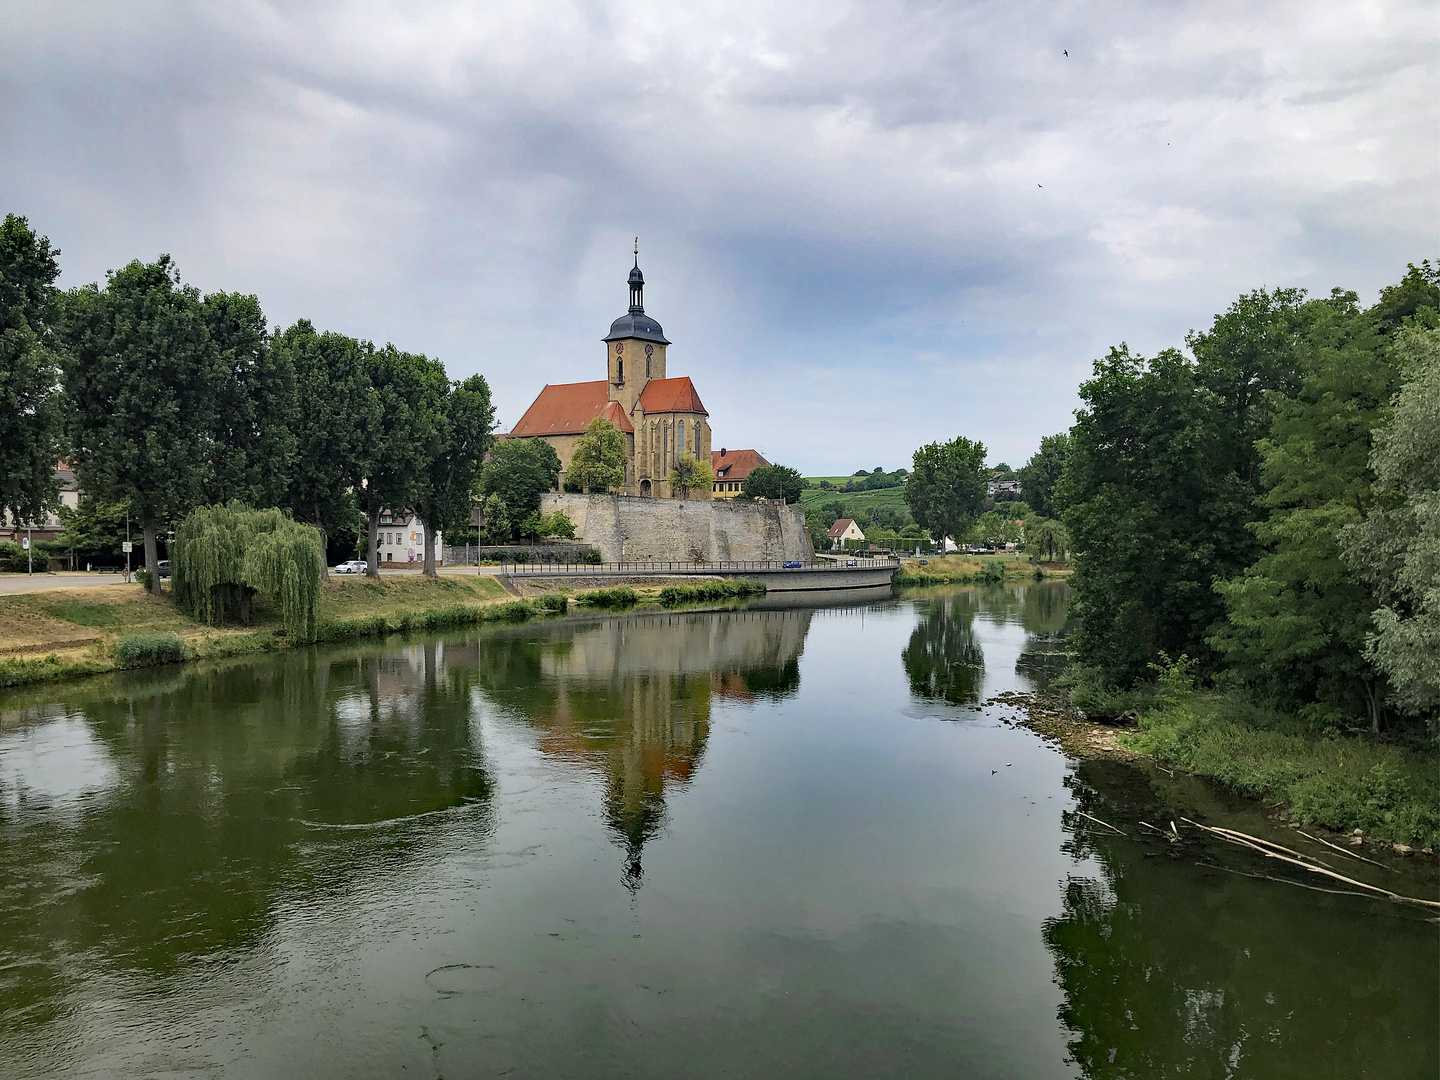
column 354, row 566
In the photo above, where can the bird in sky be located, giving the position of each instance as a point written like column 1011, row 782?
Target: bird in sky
column 1040, row 185
column 1065, row 51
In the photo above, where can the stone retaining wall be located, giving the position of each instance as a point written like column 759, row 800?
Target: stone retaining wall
column 626, row 527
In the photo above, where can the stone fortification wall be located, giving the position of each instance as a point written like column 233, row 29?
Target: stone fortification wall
column 685, row 530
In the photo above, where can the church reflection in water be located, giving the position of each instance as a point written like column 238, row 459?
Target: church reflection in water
column 631, row 697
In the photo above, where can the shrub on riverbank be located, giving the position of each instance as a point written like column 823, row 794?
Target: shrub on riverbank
column 620, row 596
column 1338, row 782
column 149, row 650
column 675, row 595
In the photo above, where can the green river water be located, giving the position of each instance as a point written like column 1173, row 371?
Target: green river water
column 770, row 842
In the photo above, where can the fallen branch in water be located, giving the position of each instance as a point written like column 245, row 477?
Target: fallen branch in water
column 1337, row 847
column 1264, row 846
column 1098, row 821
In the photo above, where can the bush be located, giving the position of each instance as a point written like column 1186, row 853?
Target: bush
column 674, row 595
column 143, row 577
column 552, row 602
column 13, row 558
column 620, row 596
column 148, row 650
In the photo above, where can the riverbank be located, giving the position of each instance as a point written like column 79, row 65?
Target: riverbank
column 976, row 570
column 1359, row 790
column 62, row 634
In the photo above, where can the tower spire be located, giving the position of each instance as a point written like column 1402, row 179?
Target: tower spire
column 637, row 285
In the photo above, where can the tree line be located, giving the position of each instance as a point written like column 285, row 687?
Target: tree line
column 163, row 399
column 1259, row 507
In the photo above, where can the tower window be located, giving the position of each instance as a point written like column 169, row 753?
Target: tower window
column 619, row 370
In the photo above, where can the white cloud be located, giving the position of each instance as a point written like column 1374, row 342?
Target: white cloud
column 841, row 206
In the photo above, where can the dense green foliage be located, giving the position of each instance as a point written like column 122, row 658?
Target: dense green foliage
column 517, row 472
column 1230, row 506
column 226, row 554
column 149, row 650
column 773, row 482
column 598, row 463
column 946, row 492
column 462, row 436
column 1042, row 472
column 675, row 595
column 30, row 412
column 617, row 597
column 1396, row 548
column 690, row 474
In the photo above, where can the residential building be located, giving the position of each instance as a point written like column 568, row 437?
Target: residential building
column 49, row 527
column 402, row 540
column 731, row 468
column 843, row 531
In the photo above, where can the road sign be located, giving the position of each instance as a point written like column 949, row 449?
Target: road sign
column 25, row 544
column 126, row 546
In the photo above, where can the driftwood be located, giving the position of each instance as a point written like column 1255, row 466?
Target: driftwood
column 1343, row 851
column 1273, row 850
column 1098, row 821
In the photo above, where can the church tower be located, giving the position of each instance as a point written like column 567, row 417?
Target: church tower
column 634, row 348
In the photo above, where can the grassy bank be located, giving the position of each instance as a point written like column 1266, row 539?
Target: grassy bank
column 974, row 569
column 1339, row 782
column 64, row 633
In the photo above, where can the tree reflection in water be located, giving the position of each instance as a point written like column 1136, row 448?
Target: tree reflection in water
column 1166, row 971
column 231, row 786
column 631, row 697
column 943, row 658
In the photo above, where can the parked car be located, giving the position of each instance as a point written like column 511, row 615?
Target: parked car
column 354, row 566
column 163, row 568
column 851, row 562
column 793, row 564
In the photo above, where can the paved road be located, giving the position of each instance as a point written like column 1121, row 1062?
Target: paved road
column 19, row 583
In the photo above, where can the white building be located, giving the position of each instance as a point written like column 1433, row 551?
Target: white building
column 844, row 529
column 402, row 540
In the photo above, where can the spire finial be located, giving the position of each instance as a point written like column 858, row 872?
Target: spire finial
column 637, row 251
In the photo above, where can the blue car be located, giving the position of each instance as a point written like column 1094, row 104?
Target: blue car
column 793, row 565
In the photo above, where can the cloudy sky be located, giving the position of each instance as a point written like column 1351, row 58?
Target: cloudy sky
column 864, row 226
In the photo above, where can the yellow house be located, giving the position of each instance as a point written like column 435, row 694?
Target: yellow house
column 731, row 468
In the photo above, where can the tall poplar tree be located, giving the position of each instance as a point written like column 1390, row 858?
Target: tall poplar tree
column 30, row 415
column 140, row 373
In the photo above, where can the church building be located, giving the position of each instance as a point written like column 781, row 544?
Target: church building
column 661, row 418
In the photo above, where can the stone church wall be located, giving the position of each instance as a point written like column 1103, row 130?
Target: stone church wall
column 625, row 527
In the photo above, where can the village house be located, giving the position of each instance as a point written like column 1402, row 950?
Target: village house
column 48, row 527
column 731, row 468
column 401, row 540
column 843, row 531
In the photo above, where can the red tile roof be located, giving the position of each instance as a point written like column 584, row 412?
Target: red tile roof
column 841, row 524
column 565, row 409
column 735, row 464
column 671, row 395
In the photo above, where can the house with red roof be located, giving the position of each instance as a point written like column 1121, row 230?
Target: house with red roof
column 661, row 418
column 731, row 468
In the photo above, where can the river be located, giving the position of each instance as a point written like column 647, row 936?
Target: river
column 769, row 842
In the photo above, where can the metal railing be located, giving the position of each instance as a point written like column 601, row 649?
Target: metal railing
column 658, row 566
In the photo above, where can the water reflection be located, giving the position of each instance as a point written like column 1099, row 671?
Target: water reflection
column 631, row 697
column 1167, row 972
column 945, row 658
column 203, row 795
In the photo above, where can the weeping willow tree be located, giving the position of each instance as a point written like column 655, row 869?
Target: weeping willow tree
column 224, row 555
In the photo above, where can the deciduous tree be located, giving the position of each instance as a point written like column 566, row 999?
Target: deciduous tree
column 337, row 421
column 140, row 373
column 30, row 414
column 773, row 482
column 518, row 470
column 690, row 474
column 946, row 491
column 1396, row 549
column 598, row 463
column 409, row 389
column 1041, row 473
column 463, row 427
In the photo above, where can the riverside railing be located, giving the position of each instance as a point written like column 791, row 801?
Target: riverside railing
column 658, row 566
